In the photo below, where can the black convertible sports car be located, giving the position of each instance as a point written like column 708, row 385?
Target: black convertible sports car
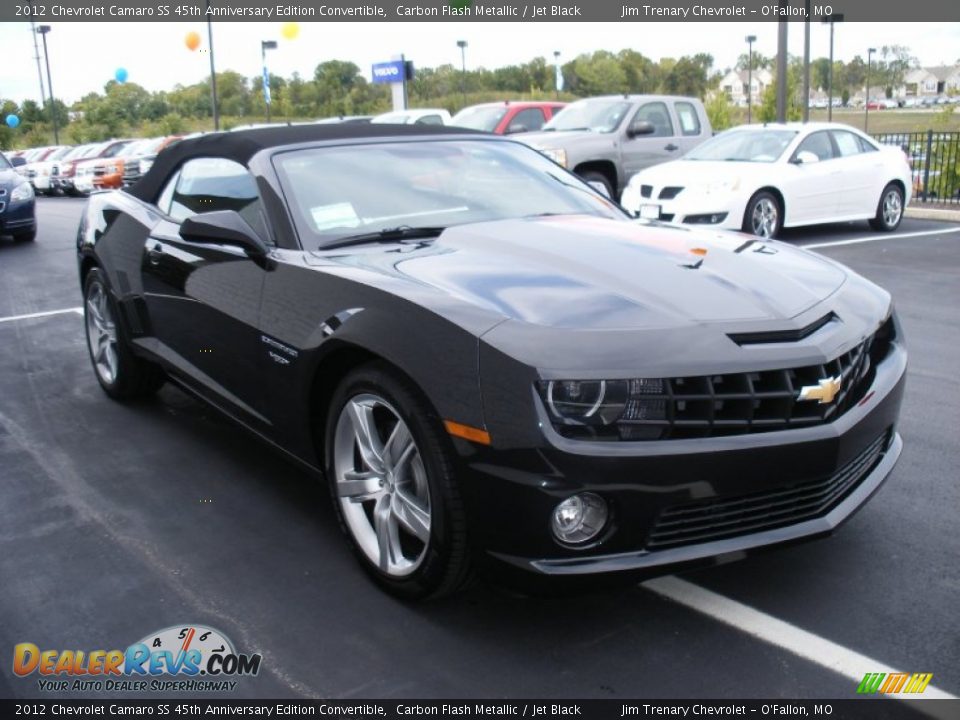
column 489, row 362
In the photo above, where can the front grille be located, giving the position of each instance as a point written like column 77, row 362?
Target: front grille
column 131, row 173
column 646, row 190
column 669, row 193
column 740, row 403
column 727, row 517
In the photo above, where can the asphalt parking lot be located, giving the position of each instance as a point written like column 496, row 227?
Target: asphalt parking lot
column 116, row 521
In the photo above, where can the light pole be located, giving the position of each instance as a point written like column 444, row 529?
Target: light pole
column 831, row 19
column 556, row 73
column 751, row 39
column 36, row 52
column 866, row 104
column 806, row 64
column 462, row 44
column 43, row 30
column 264, row 46
column 213, row 71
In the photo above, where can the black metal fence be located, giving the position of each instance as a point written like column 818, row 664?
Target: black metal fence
column 935, row 160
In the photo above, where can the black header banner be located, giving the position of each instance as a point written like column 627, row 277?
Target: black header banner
column 477, row 10
column 846, row 709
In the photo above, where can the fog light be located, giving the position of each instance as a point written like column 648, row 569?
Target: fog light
column 579, row 518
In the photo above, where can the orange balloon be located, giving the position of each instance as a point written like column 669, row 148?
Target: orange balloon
column 192, row 40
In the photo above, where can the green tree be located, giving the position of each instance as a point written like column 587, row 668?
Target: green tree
column 718, row 110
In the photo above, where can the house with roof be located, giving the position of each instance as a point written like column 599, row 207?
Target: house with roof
column 735, row 83
column 932, row 81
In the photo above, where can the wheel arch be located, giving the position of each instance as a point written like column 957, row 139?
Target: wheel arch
column 605, row 168
column 781, row 201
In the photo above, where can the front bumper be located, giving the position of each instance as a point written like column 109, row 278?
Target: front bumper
column 18, row 217
column 510, row 494
column 689, row 207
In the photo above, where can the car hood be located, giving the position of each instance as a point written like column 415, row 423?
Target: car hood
column 594, row 273
column 679, row 172
column 555, row 138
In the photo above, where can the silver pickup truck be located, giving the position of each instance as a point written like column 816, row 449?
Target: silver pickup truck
column 606, row 140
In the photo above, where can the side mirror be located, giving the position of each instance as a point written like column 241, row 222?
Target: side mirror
column 806, row 158
column 516, row 128
column 223, row 227
column 18, row 161
column 640, row 127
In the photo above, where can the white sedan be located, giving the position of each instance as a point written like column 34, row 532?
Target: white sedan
column 761, row 178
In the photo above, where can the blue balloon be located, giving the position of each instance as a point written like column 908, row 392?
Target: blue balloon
column 121, row 75
column 12, row 121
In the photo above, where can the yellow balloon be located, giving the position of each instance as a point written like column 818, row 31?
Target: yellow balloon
column 290, row 30
column 192, row 40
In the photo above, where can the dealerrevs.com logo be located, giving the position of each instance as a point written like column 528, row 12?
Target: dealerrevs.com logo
column 181, row 658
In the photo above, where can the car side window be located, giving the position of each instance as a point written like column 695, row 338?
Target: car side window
column 687, row 115
column 657, row 115
column 167, row 195
column 847, row 143
column 819, row 144
column 865, row 145
column 430, row 120
column 210, row 184
column 530, row 118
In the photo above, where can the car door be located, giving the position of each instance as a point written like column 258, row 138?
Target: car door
column 690, row 129
column 862, row 176
column 526, row 120
column 638, row 152
column 810, row 189
column 203, row 300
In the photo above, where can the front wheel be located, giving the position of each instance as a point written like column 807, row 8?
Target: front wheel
column 889, row 209
column 593, row 176
column 121, row 374
column 391, row 478
column 763, row 217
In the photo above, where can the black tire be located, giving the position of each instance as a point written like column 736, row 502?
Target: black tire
column 594, row 176
column 133, row 378
column 444, row 565
column 28, row 236
column 889, row 209
column 757, row 219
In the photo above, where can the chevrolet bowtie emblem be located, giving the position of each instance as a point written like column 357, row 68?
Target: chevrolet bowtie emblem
column 825, row 391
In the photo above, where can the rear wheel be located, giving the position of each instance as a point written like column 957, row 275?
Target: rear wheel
column 391, row 478
column 763, row 217
column 121, row 374
column 889, row 209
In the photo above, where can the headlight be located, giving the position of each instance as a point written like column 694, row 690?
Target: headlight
column 722, row 186
column 145, row 165
column 604, row 408
column 111, row 169
column 22, row 193
column 558, row 155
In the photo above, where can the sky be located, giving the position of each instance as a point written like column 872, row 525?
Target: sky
column 84, row 56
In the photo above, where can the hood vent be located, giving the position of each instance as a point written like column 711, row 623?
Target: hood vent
column 783, row 336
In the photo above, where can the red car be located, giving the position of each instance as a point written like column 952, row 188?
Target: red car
column 508, row 117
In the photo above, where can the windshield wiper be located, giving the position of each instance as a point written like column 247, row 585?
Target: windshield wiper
column 403, row 232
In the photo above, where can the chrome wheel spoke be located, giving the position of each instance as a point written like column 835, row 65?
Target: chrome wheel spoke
column 411, row 516
column 368, row 440
column 360, row 486
column 388, row 541
column 399, row 447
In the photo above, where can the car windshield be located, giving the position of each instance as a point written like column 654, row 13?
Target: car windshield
column 138, row 147
column 60, row 154
column 116, row 149
column 765, row 145
column 602, row 116
column 4, row 163
column 94, row 150
column 339, row 192
column 479, row 118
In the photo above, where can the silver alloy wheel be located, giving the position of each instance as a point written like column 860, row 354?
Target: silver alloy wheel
column 892, row 208
column 381, row 485
column 763, row 220
column 101, row 333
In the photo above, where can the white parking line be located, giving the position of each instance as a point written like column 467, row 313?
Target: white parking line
column 875, row 238
column 814, row 648
column 48, row 313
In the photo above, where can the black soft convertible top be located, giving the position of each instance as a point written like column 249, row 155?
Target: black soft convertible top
column 242, row 145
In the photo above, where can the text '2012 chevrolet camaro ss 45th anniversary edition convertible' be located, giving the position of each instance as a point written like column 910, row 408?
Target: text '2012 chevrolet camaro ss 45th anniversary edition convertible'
column 490, row 363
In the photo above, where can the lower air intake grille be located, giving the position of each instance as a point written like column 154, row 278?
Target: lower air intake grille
column 744, row 514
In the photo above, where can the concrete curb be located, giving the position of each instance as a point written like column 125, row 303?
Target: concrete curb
column 931, row 213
